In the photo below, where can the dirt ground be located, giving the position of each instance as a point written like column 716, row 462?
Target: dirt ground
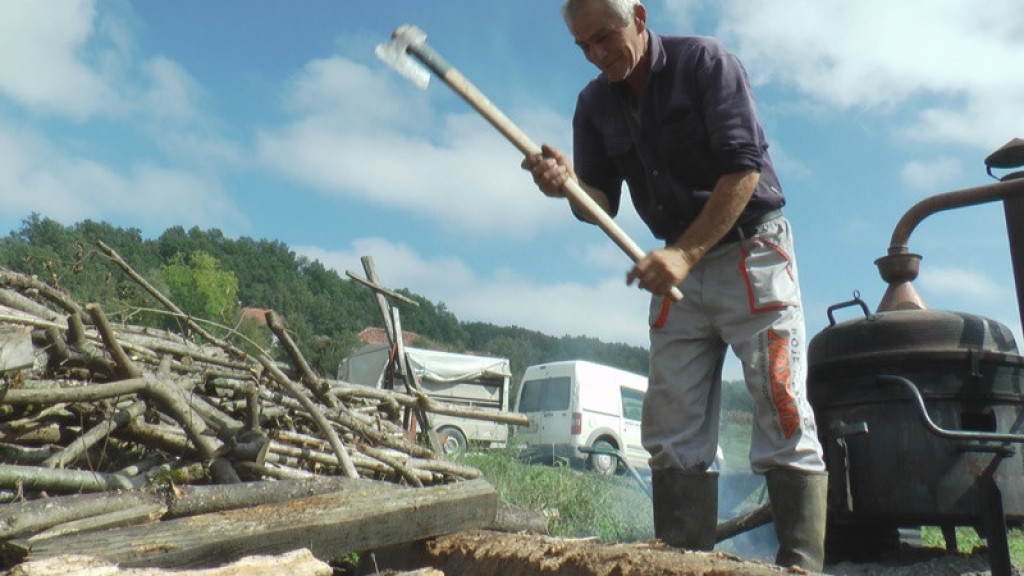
column 479, row 553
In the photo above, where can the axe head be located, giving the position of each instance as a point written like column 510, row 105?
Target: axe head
column 396, row 54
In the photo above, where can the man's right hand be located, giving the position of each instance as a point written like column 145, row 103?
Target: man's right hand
column 550, row 170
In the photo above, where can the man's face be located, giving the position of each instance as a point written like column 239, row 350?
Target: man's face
column 614, row 49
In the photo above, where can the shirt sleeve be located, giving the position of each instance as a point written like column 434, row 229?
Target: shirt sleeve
column 736, row 138
column 592, row 162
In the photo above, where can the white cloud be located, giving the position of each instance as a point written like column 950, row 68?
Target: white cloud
column 608, row 310
column 354, row 136
column 968, row 285
column 36, row 176
column 877, row 55
column 171, row 94
column 40, row 58
column 684, row 13
column 932, row 176
column 69, row 61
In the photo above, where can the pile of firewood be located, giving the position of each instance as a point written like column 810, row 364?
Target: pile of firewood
column 87, row 405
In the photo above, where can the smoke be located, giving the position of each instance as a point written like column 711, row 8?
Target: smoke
column 741, row 492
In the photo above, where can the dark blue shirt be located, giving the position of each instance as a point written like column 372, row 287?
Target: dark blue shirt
column 697, row 121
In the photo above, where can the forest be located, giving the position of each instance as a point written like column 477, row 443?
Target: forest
column 214, row 278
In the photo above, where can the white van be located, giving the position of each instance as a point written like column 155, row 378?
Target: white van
column 575, row 404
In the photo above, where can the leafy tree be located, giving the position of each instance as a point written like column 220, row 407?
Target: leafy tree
column 200, row 288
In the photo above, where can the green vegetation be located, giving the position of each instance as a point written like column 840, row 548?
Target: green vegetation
column 968, row 540
column 578, row 504
column 214, row 278
column 582, row 504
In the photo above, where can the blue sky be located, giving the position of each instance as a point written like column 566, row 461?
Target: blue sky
column 274, row 120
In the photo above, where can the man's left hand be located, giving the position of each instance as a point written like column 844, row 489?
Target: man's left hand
column 659, row 270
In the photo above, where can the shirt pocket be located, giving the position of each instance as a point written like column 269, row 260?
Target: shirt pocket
column 771, row 281
column 624, row 156
column 684, row 149
column 617, row 145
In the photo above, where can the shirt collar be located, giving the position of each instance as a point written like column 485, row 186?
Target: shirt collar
column 657, row 55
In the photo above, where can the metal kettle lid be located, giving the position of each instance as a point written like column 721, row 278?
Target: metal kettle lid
column 902, row 331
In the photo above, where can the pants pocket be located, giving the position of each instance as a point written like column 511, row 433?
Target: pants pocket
column 658, row 314
column 769, row 275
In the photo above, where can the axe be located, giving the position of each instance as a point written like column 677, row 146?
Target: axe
column 410, row 39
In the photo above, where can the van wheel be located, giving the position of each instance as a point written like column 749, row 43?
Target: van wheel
column 454, row 443
column 603, row 464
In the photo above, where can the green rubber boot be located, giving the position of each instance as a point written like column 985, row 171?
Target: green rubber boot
column 685, row 508
column 798, row 501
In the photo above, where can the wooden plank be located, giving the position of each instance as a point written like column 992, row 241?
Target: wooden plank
column 330, row 525
column 23, row 519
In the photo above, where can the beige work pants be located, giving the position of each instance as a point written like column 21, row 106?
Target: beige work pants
column 743, row 295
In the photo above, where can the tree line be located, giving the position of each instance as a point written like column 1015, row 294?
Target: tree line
column 215, row 278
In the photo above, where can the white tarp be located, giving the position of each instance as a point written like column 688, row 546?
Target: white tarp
column 449, row 367
column 463, row 380
column 367, row 364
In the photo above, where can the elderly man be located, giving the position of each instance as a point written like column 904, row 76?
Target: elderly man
column 674, row 118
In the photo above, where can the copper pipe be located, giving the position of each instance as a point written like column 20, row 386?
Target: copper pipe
column 900, row 267
column 947, row 201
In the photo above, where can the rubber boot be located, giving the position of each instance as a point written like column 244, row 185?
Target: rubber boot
column 798, row 501
column 685, row 508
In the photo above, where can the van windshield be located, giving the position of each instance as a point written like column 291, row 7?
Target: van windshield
column 546, row 395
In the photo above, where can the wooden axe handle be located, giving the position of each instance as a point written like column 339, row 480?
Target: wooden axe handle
column 464, row 88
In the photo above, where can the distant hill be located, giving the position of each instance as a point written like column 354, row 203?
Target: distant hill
column 217, row 279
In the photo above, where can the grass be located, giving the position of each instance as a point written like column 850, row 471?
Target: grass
column 967, row 540
column 582, row 504
column 578, row 504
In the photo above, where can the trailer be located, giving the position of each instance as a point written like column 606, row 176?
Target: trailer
column 461, row 380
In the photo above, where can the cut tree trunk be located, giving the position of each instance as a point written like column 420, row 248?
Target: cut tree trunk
column 483, row 553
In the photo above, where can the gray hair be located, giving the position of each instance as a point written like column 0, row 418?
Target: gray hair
column 620, row 10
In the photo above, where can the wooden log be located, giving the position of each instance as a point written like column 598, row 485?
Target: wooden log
column 99, row 432
column 26, row 284
column 348, row 390
column 744, row 522
column 125, row 517
column 194, row 500
column 22, row 519
column 171, row 397
column 17, row 301
column 403, row 368
column 16, row 350
column 125, row 366
column 36, row 478
column 483, row 552
column 317, row 385
column 509, row 519
column 383, row 306
column 329, row 524
column 27, row 455
column 344, row 461
column 299, row 562
column 381, row 289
